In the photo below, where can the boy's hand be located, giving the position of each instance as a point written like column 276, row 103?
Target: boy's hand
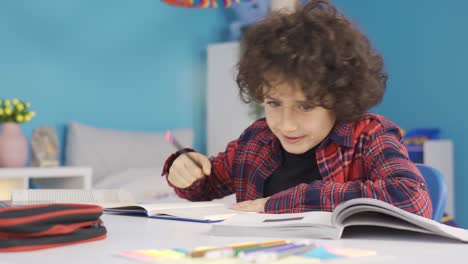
column 184, row 172
column 257, row 205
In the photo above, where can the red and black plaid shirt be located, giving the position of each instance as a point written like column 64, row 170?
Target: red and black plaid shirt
column 360, row 159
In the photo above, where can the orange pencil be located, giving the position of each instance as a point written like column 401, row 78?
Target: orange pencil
column 258, row 244
column 201, row 253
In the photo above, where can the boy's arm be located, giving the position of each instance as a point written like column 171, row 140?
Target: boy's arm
column 216, row 185
column 391, row 177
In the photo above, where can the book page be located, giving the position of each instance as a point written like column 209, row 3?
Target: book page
column 309, row 224
column 191, row 210
column 261, row 220
column 155, row 207
column 366, row 211
column 212, row 213
column 381, row 219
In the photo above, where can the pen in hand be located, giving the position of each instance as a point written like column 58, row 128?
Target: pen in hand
column 171, row 139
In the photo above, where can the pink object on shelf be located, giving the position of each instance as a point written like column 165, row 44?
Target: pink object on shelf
column 13, row 146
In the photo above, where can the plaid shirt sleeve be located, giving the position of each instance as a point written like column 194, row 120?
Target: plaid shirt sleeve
column 216, row 185
column 391, row 177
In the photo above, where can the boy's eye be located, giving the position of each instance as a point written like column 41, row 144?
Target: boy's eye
column 272, row 103
column 306, row 108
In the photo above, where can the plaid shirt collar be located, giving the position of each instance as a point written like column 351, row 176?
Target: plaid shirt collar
column 343, row 134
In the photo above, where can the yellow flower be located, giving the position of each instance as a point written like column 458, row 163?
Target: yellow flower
column 15, row 110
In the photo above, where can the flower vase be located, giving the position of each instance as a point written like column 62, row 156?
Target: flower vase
column 13, row 146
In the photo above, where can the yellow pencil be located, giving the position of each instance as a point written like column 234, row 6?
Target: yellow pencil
column 258, row 244
column 201, row 252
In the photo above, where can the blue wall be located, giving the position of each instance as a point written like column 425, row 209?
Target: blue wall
column 130, row 64
column 424, row 43
column 136, row 65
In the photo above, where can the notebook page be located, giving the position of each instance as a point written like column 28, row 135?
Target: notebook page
column 213, row 213
column 156, row 207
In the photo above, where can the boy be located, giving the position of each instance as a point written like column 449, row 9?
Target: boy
column 317, row 76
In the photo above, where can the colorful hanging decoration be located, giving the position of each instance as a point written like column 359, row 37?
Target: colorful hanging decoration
column 203, row 3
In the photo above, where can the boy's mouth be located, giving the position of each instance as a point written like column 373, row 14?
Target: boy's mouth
column 292, row 140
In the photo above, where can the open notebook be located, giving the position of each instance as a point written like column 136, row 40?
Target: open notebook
column 203, row 212
column 122, row 202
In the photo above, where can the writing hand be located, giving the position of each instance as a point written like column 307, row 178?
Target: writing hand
column 185, row 171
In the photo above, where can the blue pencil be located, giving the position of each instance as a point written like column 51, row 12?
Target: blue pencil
column 271, row 254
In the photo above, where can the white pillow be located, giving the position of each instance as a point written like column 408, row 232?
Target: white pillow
column 110, row 151
column 145, row 184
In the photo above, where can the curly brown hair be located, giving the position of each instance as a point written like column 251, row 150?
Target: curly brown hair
column 321, row 50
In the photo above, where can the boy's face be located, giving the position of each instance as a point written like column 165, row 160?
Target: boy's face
column 296, row 121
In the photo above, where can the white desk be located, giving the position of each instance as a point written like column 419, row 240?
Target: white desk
column 132, row 232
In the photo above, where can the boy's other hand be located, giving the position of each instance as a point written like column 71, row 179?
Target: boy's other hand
column 257, row 205
column 184, row 172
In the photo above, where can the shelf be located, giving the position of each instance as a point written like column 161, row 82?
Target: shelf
column 44, row 177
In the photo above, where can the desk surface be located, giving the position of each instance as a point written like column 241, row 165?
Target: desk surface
column 132, row 232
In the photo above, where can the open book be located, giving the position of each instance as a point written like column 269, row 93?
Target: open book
column 205, row 212
column 330, row 225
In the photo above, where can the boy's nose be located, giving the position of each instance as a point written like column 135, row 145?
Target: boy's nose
column 289, row 122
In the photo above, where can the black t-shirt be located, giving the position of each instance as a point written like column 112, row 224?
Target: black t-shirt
column 296, row 169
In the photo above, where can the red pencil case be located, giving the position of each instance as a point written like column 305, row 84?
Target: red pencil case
column 49, row 225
